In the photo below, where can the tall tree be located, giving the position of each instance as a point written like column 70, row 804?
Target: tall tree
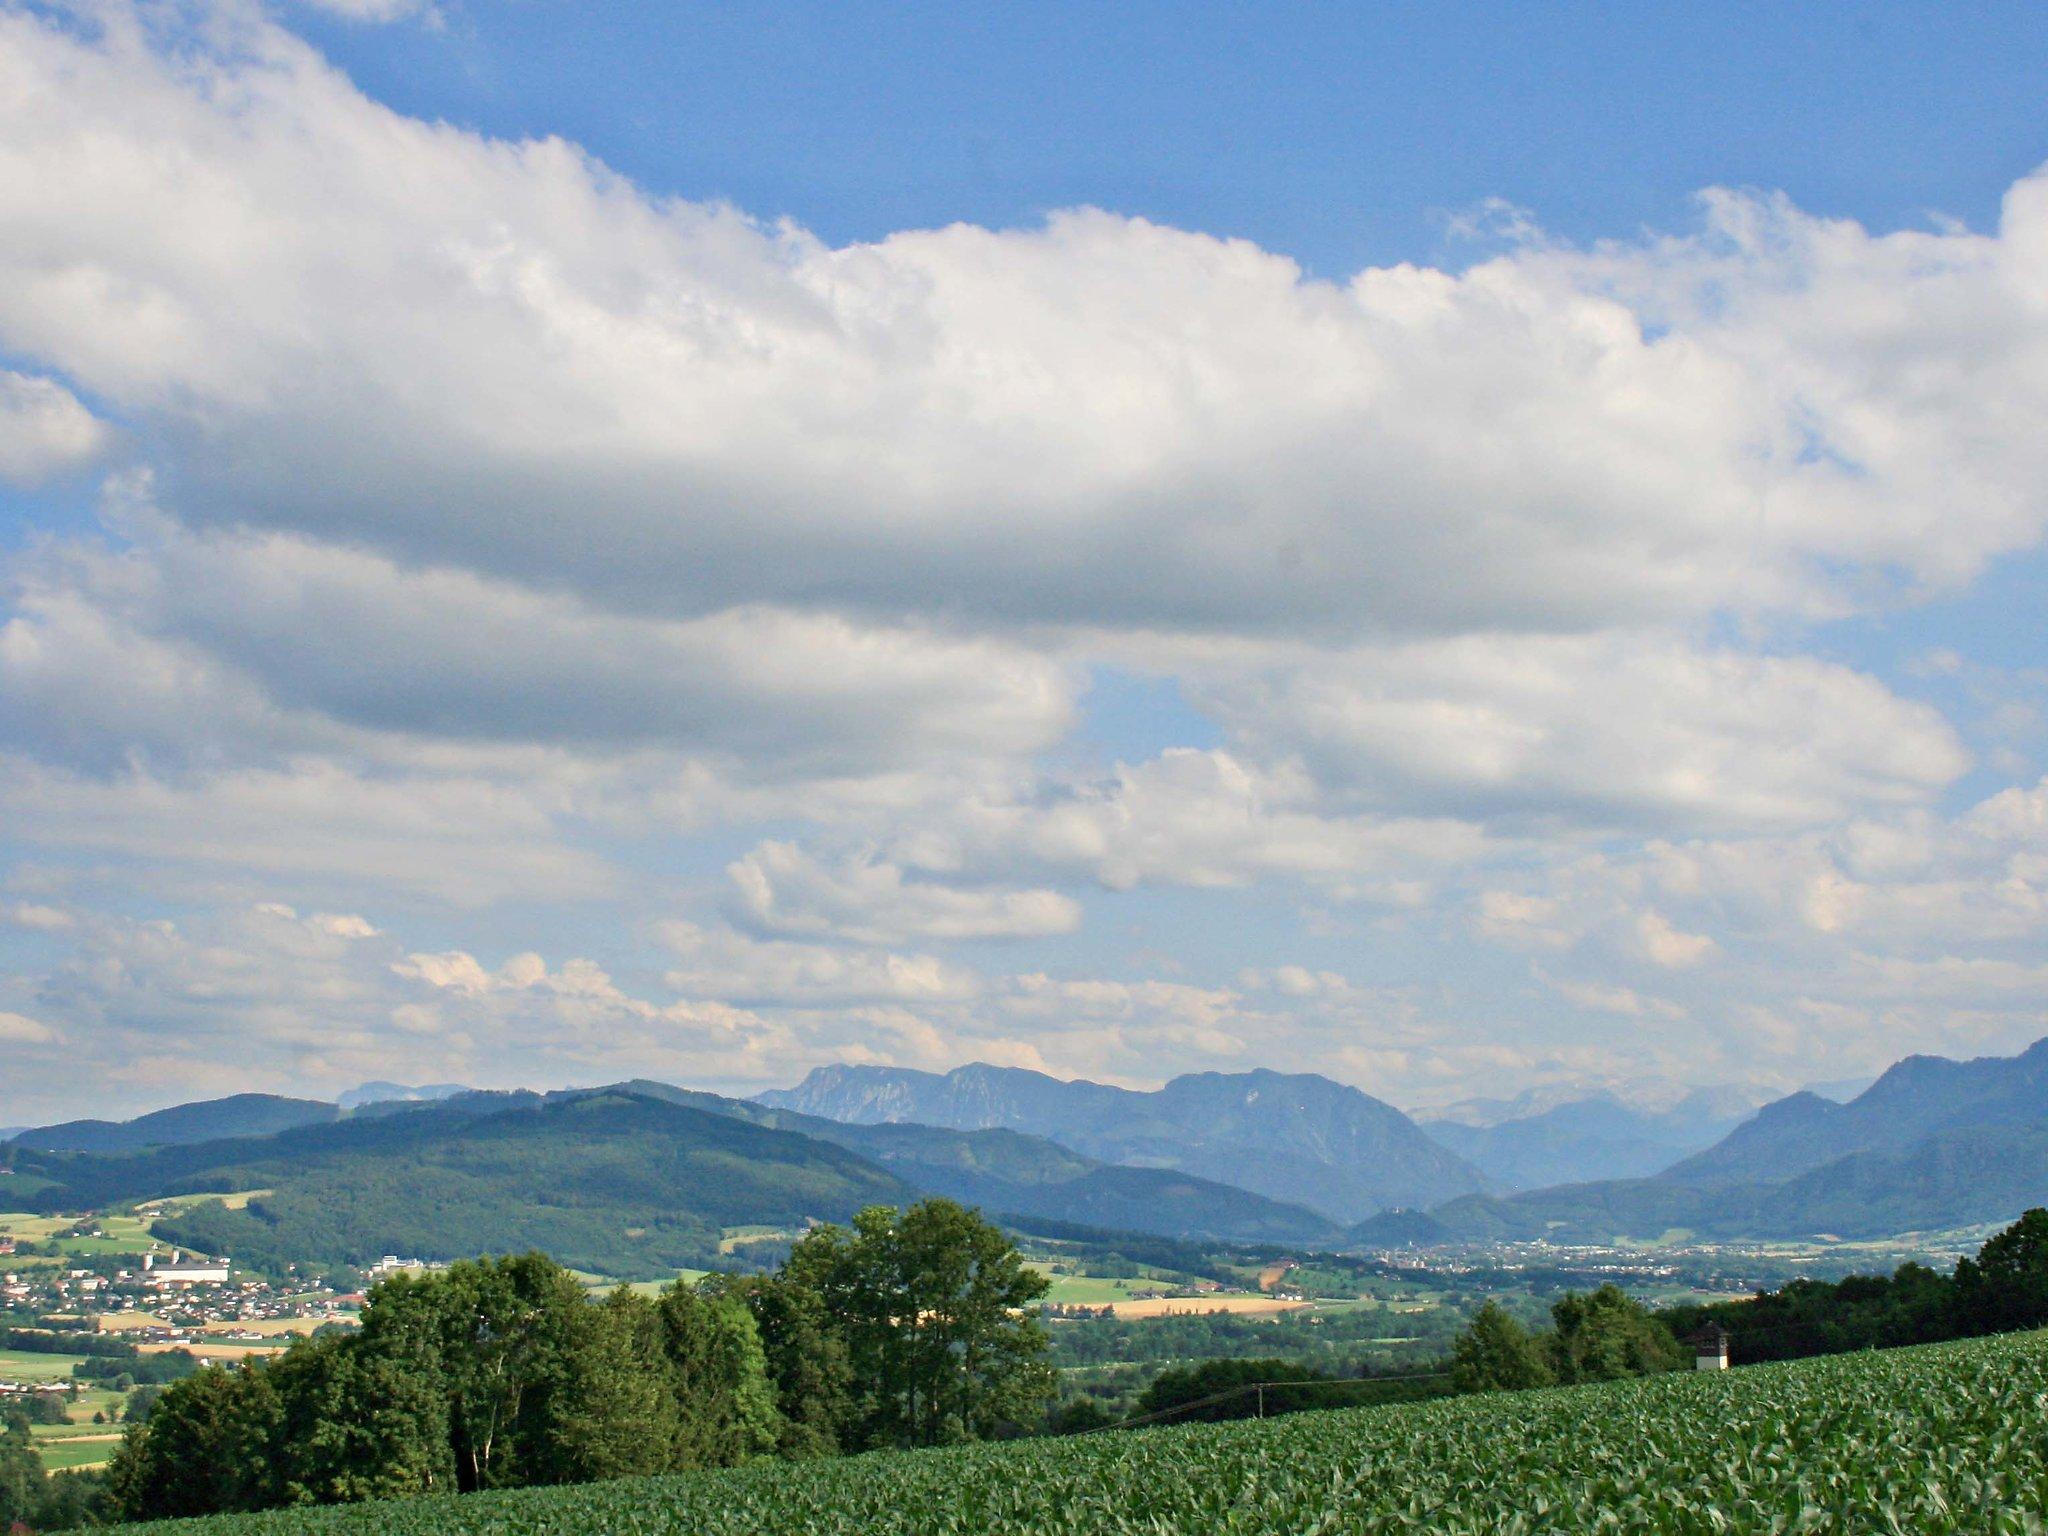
column 1605, row 1335
column 207, row 1448
column 1497, row 1354
column 2006, row 1285
column 806, row 1355
column 933, row 1305
column 726, row 1404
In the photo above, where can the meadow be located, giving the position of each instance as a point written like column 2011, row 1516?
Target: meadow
column 1942, row 1438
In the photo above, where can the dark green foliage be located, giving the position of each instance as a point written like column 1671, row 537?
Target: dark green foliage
column 155, row 1370
column 31, row 1501
column 1497, row 1354
column 209, row 1445
column 503, row 1373
column 1077, row 1416
column 1340, row 1342
column 21, row 1472
column 42, row 1341
column 1215, row 1390
column 42, row 1408
column 243, row 1114
column 807, row 1358
column 496, row 1374
column 1607, row 1335
column 929, row 1302
column 2006, row 1285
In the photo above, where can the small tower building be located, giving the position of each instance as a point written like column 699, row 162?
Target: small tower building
column 1710, row 1348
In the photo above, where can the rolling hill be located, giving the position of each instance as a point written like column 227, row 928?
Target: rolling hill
column 243, row 1114
column 1298, row 1138
column 639, row 1178
column 612, row 1181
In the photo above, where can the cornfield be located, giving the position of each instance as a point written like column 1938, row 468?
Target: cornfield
column 1950, row 1437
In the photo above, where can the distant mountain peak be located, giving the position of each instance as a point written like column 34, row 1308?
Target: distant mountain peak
column 1294, row 1136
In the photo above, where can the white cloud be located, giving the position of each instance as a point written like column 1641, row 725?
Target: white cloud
column 44, row 430
column 1664, row 945
column 377, row 12
column 1018, row 419
column 1199, row 818
column 719, row 963
column 680, row 525
column 1629, row 728
column 19, row 1029
column 779, row 888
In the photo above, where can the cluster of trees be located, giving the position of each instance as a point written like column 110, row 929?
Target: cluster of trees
column 1600, row 1335
column 29, row 1499
column 2003, row 1288
column 1603, row 1335
column 909, row 1328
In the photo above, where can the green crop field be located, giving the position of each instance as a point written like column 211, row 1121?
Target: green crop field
column 1944, row 1438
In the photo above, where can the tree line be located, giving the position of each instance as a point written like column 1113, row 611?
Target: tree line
column 1605, row 1334
column 906, row 1328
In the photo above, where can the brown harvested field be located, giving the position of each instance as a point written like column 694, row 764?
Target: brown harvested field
column 206, row 1349
column 1189, row 1306
column 128, row 1322
column 273, row 1325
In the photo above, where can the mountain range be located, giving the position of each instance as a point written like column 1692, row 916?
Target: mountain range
column 638, row 1178
column 1931, row 1144
column 1594, row 1137
column 643, row 1176
column 1290, row 1136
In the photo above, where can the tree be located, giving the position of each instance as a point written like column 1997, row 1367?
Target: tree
column 1497, row 1354
column 1605, row 1335
column 726, row 1403
column 606, row 1405
column 806, row 1357
column 932, row 1304
column 360, row 1421
column 2006, row 1285
column 206, row 1448
column 21, row 1472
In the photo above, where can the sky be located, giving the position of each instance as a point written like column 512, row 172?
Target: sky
column 1464, row 548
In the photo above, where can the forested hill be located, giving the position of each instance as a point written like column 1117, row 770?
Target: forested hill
column 612, row 1181
column 1291, row 1136
column 635, row 1179
column 241, row 1114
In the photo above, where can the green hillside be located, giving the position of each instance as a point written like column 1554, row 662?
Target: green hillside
column 241, row 1114
column 615, row 1182
column 1940, row 1439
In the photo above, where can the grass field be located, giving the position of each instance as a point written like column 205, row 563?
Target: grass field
column 1092, row 1290
column 21, row 1365
column 1940, row 1440
column 76, row 1451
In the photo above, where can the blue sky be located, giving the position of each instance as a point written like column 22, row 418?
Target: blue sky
column 1459, row 547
